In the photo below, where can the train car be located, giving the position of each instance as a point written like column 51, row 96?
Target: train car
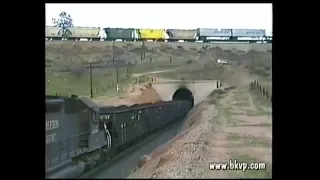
column 248, row 32
column 152, row 34
column 126, row 34
column 80, row 134
column 126, row 124
column 178, row 34
column 208, row 34
column 89, row 33
column 52, row 33
column 248, row 35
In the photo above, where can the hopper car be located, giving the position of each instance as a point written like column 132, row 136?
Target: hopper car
column 152, row 34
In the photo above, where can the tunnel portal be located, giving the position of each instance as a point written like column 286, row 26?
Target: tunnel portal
column 183, row 93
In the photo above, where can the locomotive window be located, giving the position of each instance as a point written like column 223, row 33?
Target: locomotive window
column 53, row 108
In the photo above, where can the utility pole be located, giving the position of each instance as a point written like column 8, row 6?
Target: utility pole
column 90, row 73
column 117, row 68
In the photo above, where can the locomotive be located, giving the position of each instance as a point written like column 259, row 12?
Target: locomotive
column 80, row 135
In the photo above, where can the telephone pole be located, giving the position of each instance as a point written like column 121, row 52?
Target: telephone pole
column 115, row 64
column 90, row 73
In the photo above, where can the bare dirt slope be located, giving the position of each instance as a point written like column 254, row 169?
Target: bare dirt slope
column 135, row 94
column 232, row 126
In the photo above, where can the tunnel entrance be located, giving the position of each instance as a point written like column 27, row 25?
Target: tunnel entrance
column 183, row 94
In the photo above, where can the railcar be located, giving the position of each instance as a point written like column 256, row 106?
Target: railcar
column 52, row 33
column 125, row 34
column 248, row 35
column 74, row 33
column 178, row 34
column 89, row 33
column 152, row 34
column 208, row 34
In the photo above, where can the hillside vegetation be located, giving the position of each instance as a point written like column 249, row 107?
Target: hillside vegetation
column 67, row 63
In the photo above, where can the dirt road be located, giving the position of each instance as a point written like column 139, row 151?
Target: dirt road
column 152, row 72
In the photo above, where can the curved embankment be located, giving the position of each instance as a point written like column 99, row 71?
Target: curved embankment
column 230, row 126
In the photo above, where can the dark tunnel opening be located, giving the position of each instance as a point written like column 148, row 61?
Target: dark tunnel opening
column 183, row 94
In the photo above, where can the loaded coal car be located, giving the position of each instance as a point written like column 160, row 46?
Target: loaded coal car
column 187, row 35
column 80, row 134
column 128, row 125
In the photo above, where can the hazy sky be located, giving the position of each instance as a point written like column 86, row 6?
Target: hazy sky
column 180, row 16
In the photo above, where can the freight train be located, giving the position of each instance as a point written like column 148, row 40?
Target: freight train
column 169, row 35
column 80, row 135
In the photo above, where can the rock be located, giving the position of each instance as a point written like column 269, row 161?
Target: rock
column 143, row 160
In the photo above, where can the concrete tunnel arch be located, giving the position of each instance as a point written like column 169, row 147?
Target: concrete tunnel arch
column 183, row 93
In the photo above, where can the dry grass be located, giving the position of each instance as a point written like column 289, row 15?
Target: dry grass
column 230, row 125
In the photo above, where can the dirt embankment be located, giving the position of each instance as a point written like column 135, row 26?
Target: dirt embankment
column 137, row 94
column 231, row 125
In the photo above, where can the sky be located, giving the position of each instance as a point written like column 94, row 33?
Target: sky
column 165, row 16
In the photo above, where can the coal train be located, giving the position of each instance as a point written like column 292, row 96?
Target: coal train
column 80, row 135
column 162, row 35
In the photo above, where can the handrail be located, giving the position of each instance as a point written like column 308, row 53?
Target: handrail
column 108, row 135
column 108, row 138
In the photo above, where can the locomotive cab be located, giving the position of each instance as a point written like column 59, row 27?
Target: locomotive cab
column 54, row 123
column 72, row 130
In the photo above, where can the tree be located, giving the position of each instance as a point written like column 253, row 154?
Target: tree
column 64, row 22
